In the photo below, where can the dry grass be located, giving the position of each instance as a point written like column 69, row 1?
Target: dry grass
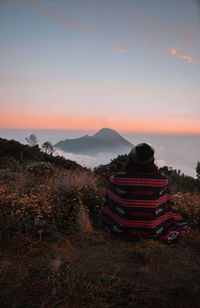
column 189, row 206
column 57, row 200
column 99, row 271
column 83, row 220
column 87, row 268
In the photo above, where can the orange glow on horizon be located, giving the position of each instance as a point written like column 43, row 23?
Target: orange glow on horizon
column 148, row 125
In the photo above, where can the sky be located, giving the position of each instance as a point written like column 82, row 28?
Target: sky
column 131, row 65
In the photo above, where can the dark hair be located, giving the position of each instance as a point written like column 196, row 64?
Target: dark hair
column 132, row 167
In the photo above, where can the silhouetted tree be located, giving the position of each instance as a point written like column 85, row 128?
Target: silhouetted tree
column 32, row 140
column 47, row 147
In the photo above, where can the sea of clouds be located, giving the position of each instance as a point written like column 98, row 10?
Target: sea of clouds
column 181, row 152
column 105, row 158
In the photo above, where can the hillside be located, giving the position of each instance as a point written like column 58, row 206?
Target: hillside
column 55, row 252
column 105, row 140
column 13, row 154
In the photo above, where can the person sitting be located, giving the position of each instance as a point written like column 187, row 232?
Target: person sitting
column 138, row 203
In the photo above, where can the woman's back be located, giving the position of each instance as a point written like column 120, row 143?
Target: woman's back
column 138, row 204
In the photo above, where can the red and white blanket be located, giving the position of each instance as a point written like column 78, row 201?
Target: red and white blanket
column 140, row 206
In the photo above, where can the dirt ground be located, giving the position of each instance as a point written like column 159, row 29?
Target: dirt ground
column 97, row 270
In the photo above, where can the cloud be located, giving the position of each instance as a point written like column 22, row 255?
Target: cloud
column 88, row 161
column 160, row 163
column 173, row 51
column 44, row 8
column 178, row 53
column 120, row 49
column 151, row 31
column 188, row 58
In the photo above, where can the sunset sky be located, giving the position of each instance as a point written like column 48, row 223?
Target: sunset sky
column 86, row 64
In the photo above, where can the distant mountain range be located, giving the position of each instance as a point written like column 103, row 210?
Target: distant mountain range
column 105, row 140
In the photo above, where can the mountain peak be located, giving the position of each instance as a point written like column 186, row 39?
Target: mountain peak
column 105, row 140
column 106, row 132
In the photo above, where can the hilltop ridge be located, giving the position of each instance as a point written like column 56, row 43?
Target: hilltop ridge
column 12, row 150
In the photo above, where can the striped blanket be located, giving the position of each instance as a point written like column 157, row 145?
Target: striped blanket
column 141, row 206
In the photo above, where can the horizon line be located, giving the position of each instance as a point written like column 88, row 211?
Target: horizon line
column 93, row 130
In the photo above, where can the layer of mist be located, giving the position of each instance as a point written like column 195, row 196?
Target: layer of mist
column 180, row 152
